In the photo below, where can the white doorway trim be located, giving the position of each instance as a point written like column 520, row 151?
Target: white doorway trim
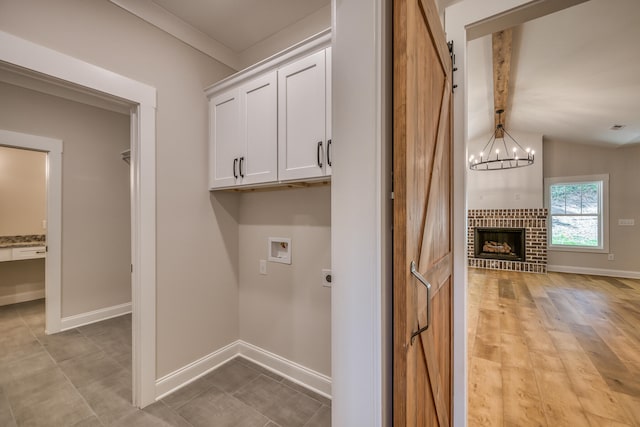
column 53, row 148
column 56, row 65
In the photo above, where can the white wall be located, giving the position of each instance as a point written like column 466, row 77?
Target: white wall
column 361, row 218
column 23, row 191
column 288, row 311
column 305, row 28
column 568, row 159
column 196, row 233
column 96, row 249
column 507, row 189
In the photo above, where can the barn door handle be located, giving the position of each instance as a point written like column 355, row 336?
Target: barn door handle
column 427, row 285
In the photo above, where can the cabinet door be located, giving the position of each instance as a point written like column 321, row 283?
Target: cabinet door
column 301, row 118
column 259, row 122
column 329, row 150
column 225, row 147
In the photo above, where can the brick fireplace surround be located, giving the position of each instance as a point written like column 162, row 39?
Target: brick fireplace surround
column 534, row 221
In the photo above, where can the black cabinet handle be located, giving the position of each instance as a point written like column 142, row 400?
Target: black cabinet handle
column 241, row 162
column 318, row 154
column 329, row 152
column 235, row 162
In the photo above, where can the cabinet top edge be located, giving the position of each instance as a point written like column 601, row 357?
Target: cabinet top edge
column 318, row 41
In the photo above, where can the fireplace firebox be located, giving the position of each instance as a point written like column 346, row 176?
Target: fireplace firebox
column 500, row 243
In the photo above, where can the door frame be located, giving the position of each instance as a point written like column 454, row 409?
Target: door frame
column 58, row 67
column 53, row 148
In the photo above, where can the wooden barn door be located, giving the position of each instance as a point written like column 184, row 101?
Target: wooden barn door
column 422, row 217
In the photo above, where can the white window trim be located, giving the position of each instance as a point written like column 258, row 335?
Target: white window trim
column 604, row 247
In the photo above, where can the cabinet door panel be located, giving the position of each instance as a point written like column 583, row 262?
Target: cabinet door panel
column 225, row 144
column 260, row 130
column 301, row 119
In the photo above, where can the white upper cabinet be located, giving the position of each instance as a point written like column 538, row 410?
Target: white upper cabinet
column 302, row 112
column 271, row 123
column 244, row 134
column 224, row 132
column 259, row 117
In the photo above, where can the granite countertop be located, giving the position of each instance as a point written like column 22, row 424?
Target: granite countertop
column 24, row 241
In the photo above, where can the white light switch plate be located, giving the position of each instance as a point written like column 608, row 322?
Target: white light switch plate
column 263, row 267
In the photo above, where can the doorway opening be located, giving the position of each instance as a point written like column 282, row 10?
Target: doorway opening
column 97, row 83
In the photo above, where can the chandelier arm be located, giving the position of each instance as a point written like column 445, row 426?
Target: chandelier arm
column 491, row 140
column 513, row 139
column 504, row 143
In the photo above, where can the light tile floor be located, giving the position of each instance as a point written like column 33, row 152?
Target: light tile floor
column 82, row 377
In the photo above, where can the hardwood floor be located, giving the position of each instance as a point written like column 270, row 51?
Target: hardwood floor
column 553, row 350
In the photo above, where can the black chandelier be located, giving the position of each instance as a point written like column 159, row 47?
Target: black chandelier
column 513, row 156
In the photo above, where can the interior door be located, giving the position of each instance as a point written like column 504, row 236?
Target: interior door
column 422, row 217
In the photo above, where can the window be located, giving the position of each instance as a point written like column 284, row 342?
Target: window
column 578, row 213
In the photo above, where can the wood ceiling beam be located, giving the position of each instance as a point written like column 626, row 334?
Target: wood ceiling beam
column 501, row 42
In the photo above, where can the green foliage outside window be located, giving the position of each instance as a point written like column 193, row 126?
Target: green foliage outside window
column 575, row 214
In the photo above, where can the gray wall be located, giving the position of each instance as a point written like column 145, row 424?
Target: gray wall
column 288, row 311
column 622, row 164
column 96, row 238
column 20, row 277
column 197, row 252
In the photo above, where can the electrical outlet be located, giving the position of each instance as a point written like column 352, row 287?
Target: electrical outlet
column 326, row 278
column 611, row 257
column 263, row 267
column 627, row 222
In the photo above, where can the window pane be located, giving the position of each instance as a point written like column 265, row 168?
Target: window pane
column 573, row 198
column 574, row 231
column 557, row 199
column 590, row 198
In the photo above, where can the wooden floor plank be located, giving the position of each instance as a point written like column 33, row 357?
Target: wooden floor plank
column 553, row 349
column 485, row 387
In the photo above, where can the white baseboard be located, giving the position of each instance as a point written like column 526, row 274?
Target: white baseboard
column 21, row 297
column 299, row 374
column 594, row 271
column 292, row 371
column 194, row 370
column 77, row 320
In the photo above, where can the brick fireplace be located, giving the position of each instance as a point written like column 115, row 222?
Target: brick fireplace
column 499, row 248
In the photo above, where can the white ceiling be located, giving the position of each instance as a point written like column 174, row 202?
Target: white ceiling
column 575, row 73
column 241, row 24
